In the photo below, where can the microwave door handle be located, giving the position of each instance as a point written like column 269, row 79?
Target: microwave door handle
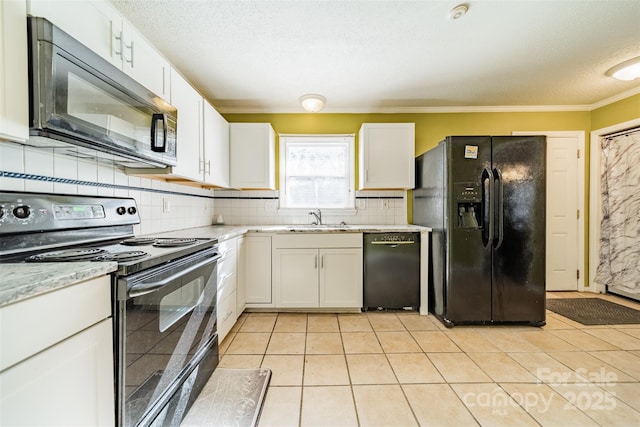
column 149, row 287
column 159, row 134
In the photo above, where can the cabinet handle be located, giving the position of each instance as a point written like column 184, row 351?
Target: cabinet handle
column 200, row 165
column 209, row 167
column 130, row 47
column 119, row 39
column 366, row 175
column 226, row 316
column 322, row 261
column 316, row 262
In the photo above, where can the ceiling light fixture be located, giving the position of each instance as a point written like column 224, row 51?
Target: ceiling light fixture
column 628, row 70
column 458, row 12
column 312, row 102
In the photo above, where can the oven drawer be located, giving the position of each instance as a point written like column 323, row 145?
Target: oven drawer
column 51, row 318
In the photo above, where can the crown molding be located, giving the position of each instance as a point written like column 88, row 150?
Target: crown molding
column 452, row 109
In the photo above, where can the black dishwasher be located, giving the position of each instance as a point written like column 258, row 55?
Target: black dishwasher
column 391, row 271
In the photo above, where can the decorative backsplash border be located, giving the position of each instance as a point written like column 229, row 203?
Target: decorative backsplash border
column 53, row 179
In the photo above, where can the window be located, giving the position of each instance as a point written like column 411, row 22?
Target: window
column 316, row 171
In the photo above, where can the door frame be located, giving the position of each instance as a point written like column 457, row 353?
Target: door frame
column 581, row 205
column 595, row 213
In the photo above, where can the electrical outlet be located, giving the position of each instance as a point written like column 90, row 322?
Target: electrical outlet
column 270, row 206
column 166, row 205
column 385, row 203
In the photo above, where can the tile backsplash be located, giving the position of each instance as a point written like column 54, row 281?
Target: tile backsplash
column 167, row 206
column 262, row 207
column 163, row 206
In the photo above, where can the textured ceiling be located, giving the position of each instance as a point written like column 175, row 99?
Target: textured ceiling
column 394, row 55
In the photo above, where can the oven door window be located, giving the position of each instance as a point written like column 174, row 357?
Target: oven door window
column 179, row 303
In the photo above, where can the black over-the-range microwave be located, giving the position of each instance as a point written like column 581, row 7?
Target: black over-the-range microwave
column 79, row 98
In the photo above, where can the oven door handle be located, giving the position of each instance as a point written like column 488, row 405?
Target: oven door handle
column 149, row 287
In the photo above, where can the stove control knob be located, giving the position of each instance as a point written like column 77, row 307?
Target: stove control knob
column 22, row 211
column 132, row 210
column 2, row 212
column 121, row 210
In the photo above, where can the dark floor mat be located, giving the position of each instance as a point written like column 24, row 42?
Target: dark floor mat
column 594, row 311
column 231, row 397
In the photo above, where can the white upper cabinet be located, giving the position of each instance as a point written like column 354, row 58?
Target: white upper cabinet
column 189, row 137
column 101, row 28
column 142, row 62
column 14, row 92
column 215, row 147
column 252, row 155
column 386, row 156
column 203, row 136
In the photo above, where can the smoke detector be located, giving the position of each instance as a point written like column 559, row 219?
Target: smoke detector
column 458, row 12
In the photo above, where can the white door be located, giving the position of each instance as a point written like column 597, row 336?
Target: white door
column 564, row 212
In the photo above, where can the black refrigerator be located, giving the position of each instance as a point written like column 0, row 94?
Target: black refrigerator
column 484, row 197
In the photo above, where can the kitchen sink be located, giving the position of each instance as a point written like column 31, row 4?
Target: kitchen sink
column 305, row 228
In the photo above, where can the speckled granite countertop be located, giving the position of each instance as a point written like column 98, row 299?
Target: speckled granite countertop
column 22, row 281
column 225, row 232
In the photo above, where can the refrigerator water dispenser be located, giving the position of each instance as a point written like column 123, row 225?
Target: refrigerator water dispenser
column 469, row 204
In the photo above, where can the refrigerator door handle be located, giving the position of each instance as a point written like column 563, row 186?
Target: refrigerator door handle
column 487, row 207
column 499, row 207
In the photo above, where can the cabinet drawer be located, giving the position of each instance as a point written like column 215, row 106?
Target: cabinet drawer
column 226, row 314
column 316, row 240
column 50, row 318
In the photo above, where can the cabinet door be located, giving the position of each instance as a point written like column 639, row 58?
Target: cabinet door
column 241, row 290
column 14, row 98
column 387, row 155
column 93, row 23
column 256, row 269
column 188, row 140
column 341, row 277
column 295, row 277
column 252, row 155
column 215, row 147
column 70, row 383
column 144, row 63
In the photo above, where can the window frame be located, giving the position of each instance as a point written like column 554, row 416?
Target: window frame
column 318, row 139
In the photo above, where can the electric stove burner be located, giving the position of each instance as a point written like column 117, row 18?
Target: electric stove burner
column 78, row 254
column 138, row 241
column 172, row 243
column 122, row 256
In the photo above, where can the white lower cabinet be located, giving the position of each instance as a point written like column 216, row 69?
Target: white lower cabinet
column 226, row 309
column 56, row 366
column 255, row 270
column 241, row 289
column 341, row 277
column 295, row 274
column 318, row 271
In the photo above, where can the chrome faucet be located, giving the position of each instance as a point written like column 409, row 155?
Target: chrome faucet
column 318, row 216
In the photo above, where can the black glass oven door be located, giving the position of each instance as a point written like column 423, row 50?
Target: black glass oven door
column 163, row 327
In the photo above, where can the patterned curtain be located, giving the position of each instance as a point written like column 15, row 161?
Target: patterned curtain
column 620, row 228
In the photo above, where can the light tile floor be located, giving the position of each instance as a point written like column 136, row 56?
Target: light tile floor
column 402, row 369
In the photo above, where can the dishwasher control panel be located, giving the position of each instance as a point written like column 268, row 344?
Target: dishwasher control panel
column 381, row 238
